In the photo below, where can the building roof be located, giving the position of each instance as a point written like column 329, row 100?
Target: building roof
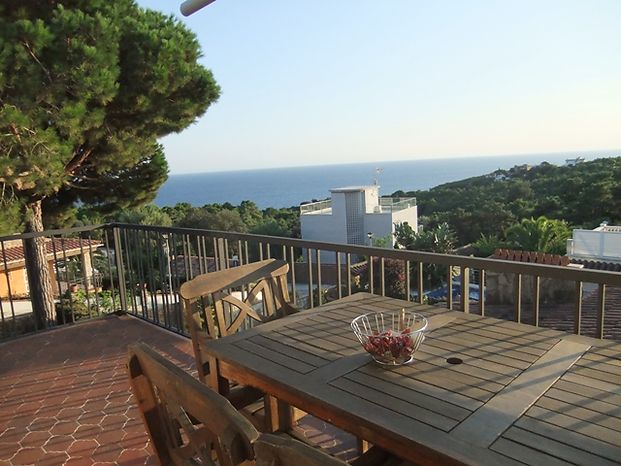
column 58, row 248
column 609, row 228
column 598, row 265
column 351, row 189
column 532, row 257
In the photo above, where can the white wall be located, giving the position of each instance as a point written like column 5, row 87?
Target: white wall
column 323, row 228
column 371, row 199
column 338, row 204
column 591, row 244
column 407, row 215
column 378, row 224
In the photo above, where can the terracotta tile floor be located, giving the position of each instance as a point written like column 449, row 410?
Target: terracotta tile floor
column 65, row 397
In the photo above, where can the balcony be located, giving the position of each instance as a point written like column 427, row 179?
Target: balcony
column 386, row 205
column 64, row 395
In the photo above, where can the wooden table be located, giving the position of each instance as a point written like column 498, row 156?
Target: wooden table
column 522, row 394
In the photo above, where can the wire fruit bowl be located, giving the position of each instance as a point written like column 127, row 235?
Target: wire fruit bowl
column 390, row 337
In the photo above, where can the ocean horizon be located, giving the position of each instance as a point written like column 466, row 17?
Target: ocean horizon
column 290, row 186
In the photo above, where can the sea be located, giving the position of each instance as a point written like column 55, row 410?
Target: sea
column 290, row 186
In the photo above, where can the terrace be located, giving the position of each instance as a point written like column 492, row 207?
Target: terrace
column 64, row 395
column 386, row 205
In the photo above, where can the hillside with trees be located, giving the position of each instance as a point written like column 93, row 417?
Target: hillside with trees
column 583, row 196
column 244, row 218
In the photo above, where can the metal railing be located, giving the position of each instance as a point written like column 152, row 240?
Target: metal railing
column 394, row 204
column 316, row 207
column 386, row 204
column 142, row 267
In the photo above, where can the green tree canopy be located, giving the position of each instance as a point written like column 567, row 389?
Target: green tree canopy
column 583, row 195
column 221, row 220
column 440, row 239
column 541, row 235
column 148, row 214
column 86, row 88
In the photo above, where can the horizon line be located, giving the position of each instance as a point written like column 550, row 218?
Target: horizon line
column 431, row 157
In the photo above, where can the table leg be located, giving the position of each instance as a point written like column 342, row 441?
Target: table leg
column 216, row 381
column 278, row 415
column 363, row 445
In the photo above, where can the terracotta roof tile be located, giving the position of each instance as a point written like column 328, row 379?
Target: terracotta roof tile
column 16, row 253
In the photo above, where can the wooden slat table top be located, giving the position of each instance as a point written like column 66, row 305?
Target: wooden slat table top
column 522, row 394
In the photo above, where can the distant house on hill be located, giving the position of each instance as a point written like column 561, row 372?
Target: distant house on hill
column 574, row 162
column 355, row 215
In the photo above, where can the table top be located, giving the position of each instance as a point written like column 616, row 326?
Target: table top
column 521, row 395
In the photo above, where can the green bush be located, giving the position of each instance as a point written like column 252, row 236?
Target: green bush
column 74, row 306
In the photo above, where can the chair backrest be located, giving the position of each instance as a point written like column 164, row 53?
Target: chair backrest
column 219, row 303
column 187, row 421
column 281, row 450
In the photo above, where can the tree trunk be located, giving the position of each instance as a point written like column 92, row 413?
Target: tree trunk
column 39, row 279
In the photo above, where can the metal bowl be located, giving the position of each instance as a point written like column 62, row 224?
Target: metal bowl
column 390, row 337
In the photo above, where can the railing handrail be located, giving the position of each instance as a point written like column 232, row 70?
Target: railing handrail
column 315, row 206
column 396, row 200
column 495, row 265
column 157, row 259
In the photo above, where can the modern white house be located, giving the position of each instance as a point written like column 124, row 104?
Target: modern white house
column 601, row 244
column 355, row 215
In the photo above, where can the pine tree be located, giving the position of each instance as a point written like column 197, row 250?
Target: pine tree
column 86, row 88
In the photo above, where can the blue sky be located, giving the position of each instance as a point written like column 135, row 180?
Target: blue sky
column 310, row 83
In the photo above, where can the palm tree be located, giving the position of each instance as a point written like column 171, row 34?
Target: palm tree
column 540, row 235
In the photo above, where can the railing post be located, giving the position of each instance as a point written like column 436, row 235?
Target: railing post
column 449, row 288
column 118, row 256
column 465, row 290
column 482, row 292
column 578, row 309
column 518, row 297
column 601, row 304
column 319, row 297
column 536, row 299
column 222, row 263
column 420, row 284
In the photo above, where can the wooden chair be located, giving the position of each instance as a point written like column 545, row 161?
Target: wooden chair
column 188, row 423
column 221, row 303
column 282, row 450
column 212, row 308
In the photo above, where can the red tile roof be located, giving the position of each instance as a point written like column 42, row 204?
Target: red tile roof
column 59, row 246
column 530, row 256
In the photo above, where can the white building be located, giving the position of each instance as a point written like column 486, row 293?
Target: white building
column 574, row 162
column 353, row 214
column 602, row 243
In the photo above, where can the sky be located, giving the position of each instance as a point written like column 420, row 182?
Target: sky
column 346, row 81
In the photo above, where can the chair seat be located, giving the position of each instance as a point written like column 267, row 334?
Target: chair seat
column 285, row 449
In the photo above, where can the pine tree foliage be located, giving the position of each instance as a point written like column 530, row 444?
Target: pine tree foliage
column 86, row 89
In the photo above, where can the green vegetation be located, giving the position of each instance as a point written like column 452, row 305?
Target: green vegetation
column 583, row 196
column 244, row 218
column 86, row 89
column 440, row 239
column 539, row 235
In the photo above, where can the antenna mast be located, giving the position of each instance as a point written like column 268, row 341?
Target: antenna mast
column 378, row 171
